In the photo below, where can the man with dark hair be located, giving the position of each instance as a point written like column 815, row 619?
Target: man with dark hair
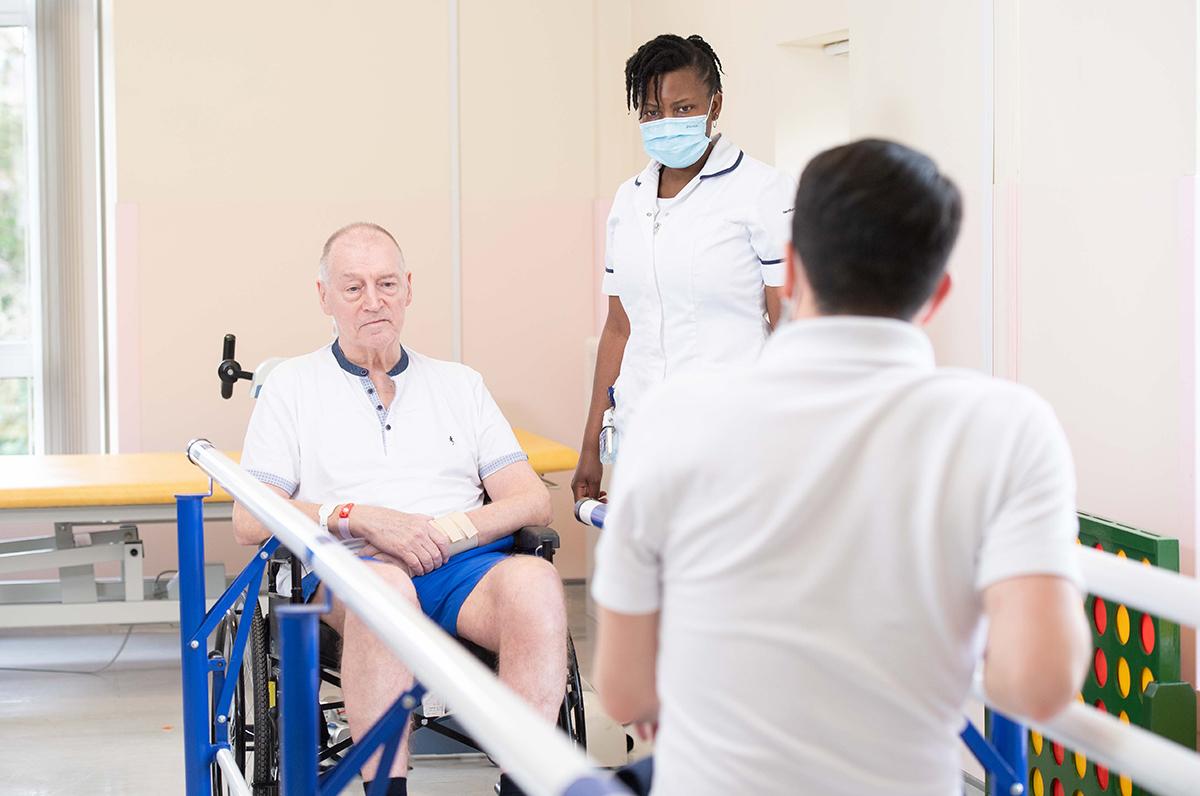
column 806, row 558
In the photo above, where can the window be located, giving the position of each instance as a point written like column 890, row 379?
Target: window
column 20, row 335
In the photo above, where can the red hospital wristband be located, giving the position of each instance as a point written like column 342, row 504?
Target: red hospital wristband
column 344, row 521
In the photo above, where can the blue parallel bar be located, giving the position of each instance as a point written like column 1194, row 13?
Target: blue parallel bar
column 299, row 682
column 389, row 727
column 1004, row 777
column 250, row 586
column 197, row 748
column 1009, row 738
column 251, row 574
column 220, row 730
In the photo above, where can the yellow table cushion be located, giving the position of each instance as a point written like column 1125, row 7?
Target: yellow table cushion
column 137, row 479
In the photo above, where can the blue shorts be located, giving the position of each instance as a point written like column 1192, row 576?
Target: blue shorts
column 443, row 591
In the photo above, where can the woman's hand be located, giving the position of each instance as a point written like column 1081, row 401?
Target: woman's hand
column 589, row 471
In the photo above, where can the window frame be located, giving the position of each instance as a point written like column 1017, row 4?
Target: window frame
column 26, row 359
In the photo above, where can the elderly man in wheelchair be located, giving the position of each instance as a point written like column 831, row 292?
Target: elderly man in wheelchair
column 409, row 460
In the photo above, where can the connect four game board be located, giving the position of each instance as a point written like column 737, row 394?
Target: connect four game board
column 1134, row 674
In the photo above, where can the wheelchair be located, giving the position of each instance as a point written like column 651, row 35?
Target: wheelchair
column 254, row 731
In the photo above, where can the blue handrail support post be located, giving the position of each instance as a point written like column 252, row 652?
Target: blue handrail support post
column 197, row 746
column 1009, row 738
column 299, row 683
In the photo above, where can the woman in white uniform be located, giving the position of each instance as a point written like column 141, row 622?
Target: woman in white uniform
column 694, row 245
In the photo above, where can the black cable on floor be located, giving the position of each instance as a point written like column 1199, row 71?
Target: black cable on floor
column 111, row 661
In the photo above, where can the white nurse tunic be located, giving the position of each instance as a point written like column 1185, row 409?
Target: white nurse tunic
column 690, row 271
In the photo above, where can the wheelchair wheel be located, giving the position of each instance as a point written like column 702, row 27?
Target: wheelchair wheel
column 570, row 715
column 252, row 729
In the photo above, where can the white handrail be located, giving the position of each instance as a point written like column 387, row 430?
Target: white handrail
column 1152, row 761
column 1162, row 766
column 1156, row 591
column 233, row 775
column 540, row 758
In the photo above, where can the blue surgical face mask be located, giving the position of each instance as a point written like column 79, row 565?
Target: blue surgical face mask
column 677, row 142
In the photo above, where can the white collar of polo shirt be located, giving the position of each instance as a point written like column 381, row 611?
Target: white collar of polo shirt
column 848, row 339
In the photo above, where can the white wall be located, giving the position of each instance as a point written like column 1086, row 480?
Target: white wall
column 922, row 74
column 1095, row 226
column 817, row 114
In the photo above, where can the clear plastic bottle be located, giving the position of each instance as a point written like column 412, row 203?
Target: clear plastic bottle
column 608, row 431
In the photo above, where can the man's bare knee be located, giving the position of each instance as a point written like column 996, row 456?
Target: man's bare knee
column 535, row 600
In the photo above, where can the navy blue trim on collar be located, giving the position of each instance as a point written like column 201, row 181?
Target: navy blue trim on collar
column 637, row 181
column 736, row 163
column 350, row 367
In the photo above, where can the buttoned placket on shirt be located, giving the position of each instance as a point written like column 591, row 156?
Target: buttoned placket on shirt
column 362, row 375
column 653, row 218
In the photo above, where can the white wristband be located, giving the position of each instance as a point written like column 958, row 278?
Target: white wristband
column 323, row 514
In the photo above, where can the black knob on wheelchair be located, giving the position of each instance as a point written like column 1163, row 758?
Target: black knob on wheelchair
column 229, row 371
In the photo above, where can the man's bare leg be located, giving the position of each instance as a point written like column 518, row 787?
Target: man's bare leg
column 372, row 677
column 518, row 611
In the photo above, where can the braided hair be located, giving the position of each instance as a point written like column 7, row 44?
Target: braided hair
column 668, row 53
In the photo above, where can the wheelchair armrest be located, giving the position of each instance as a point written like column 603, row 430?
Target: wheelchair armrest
column 535, row 540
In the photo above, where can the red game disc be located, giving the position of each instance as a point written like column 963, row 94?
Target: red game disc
column 1147, row 634
column 1059, row 754
column 1101, row 668
column 1100, row 615
column 1102, row 777
column 1056, row 788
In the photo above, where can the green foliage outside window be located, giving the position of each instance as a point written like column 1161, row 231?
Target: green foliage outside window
column 15, row 296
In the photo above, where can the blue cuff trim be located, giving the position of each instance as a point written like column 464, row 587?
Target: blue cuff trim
column 609, row 271
column 496, row 465
column 770, row 262
column 273, row 480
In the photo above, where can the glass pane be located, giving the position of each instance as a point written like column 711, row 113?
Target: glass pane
column 16, row 419
column 15, row 296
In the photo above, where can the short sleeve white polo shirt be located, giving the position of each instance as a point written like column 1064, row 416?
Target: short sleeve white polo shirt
column 320, row 433
column 817, row 531
column 690, row 271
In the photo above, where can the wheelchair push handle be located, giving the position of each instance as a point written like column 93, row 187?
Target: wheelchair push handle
column 591, row 512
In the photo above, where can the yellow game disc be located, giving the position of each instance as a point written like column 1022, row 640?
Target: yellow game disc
column 1121, row 554
column 1126, row 786
column 1123, row 677
column 1146, row 561
column 1147, row 679
column 1035, row 781
column 1080, row 764
column 1035, row 740
column 1124, row 717
column 1122, row 624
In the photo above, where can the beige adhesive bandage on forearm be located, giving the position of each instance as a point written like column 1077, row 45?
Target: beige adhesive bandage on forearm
column 459, row 529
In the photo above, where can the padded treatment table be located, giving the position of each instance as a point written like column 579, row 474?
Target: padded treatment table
column 96, row 503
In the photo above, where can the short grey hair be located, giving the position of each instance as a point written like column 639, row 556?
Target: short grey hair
column 357, row 226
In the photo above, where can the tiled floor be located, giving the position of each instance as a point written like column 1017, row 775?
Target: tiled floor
column 118, row 731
